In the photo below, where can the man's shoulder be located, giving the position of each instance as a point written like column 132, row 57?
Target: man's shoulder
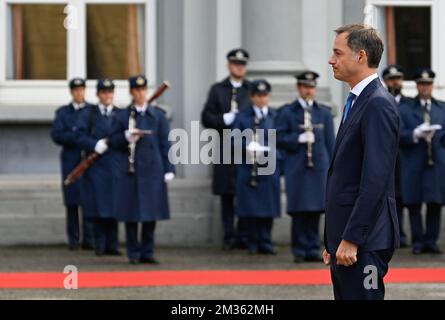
column 220, row 84
column 382, row 99
column 245, row 112
column 288, row 107
column 441, row 103
column 63, row 109
column 324, row 109
column 159, row 112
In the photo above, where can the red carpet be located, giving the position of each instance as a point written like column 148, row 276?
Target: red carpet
column 52, row 280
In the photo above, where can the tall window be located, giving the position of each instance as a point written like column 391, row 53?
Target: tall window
column 109, row 39
column 115, row 46
column 409, row 37
column 37, row 42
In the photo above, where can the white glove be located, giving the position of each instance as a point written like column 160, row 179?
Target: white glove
column 306, row 137
column 101, row 146
column 169, row 176
column 229, row 118
column 131, row 136
column 256, row 147
column 421, row 132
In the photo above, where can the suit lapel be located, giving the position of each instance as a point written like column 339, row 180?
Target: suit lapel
column 354, row 112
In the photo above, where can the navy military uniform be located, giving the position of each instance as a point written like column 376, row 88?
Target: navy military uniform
column 64, row 134
column 142, row 195
column 94, row 125
column 422, row 182
column 305, row 186
column 221, row 98
column 258, row 196
column 391, row 72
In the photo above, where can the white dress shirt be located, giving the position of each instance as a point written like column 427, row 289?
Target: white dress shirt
column 359, row 87
column 305, row 104
column 236, row 84
column 426, row 103
column 141, row 109
column 78, row 106
column 105, row 110
column 261, row 112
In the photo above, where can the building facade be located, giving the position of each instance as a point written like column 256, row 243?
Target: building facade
column 45, row 42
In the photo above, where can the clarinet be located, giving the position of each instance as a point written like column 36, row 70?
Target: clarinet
column 233, row 101
column 132, row 146
column 308, row 128
column 254, row 170
column 429, row 138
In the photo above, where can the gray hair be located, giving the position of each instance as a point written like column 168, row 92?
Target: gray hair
column 363, row 37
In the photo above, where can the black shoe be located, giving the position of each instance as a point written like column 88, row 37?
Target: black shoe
column 73, row 247
column 433, row 250
column 227, row 246
column 316, row 258
column 268, row 251
column 149, row 260
column 298, row 259
column 133, row 261
column 113, row 252
column 239, row 246
column 99, row 253
column 253, row 252
column 403, row 244
column 87, row 247
column 417, row 251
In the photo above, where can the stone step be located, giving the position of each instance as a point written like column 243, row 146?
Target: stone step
column 32, row 212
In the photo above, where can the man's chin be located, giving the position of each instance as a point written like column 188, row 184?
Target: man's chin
column 338, row 77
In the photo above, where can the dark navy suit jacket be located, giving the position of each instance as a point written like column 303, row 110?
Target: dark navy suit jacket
column 360, row 204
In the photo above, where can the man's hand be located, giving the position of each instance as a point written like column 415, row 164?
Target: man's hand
column 306, row 137
column 346, row 253
column 101, row 146
column 133, row 135
column 169, row 176
column 326, row 258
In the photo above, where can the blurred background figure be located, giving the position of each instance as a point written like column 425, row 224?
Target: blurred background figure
column 141, row 172
column 305, row 131
column 94, row 129
column 258, row 196
column 224, row 101
column 64, row 134
column 422, row 158
column 393, row 77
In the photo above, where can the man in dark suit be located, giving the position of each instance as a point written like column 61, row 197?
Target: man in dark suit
column 306, row 176
column 224, row 101
column 64, row 134
column 393, row 76
column 423, row 163
column 362, row 229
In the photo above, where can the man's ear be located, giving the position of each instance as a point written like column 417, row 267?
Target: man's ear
column 361, row 56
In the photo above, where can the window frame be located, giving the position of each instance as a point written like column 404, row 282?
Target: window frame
column 76, row 42
column 375, row 8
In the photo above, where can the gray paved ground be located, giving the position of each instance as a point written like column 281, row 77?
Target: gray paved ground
column 22, row 259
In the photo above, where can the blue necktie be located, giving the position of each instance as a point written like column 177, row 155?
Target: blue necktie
column 349, row 101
